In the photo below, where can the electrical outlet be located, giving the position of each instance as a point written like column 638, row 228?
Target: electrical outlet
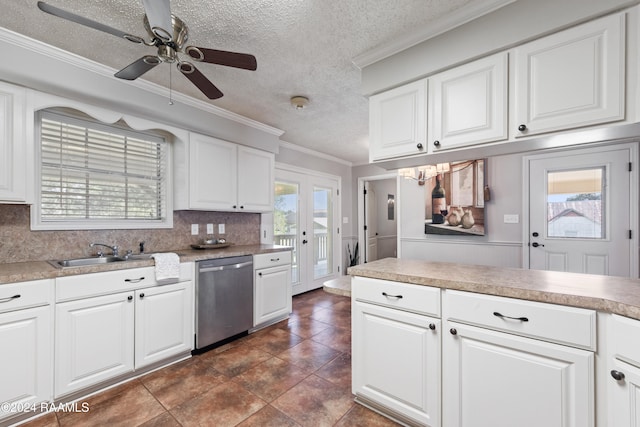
column 511, row 218
column 220, row 228
column 209, row 228
column 194, row 229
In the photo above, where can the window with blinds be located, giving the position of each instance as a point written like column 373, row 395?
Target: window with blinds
column 93, row 173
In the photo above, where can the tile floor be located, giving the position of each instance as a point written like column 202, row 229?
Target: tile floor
column 294, row 373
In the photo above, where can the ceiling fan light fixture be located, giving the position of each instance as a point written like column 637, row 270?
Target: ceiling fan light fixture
column 299, row 102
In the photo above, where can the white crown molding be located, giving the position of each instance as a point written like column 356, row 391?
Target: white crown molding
column 309, row 151
column 8, row 36
column 418, row 35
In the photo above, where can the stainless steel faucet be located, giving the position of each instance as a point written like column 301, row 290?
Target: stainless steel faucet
column 114, row 248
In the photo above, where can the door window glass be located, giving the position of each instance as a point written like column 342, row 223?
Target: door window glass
column 322, row 236
column 286, row 220
column 575, row 204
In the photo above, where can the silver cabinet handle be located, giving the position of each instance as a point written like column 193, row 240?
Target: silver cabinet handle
column 9, row 298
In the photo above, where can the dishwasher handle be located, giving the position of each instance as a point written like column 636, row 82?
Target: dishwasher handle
column 226, row 267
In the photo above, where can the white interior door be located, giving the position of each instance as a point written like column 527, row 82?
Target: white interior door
column 371, row 223
column 580, row 211
column 305, row 218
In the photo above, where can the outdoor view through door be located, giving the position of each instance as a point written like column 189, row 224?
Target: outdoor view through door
column 304, row 218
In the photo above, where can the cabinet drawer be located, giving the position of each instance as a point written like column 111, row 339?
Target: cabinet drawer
column 622, row 334
column 415, row 298
column 271, row 259
column 555, row 323
column 107, row 282
column 15, row 296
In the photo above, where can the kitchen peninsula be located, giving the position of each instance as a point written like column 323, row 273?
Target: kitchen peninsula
column 442, row 344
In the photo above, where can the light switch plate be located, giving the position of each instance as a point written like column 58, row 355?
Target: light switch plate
column 194, row 229
column 220, row 228
column 511, row 218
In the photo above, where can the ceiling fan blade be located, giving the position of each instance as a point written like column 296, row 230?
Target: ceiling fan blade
column 198, row 79
column 86, row 21
column 138, row 68
column 223, row 57
column 159, row 16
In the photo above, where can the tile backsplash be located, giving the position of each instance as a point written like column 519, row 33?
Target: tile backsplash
column 18, row 243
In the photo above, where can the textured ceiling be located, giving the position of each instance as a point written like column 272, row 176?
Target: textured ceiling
column 303, row 47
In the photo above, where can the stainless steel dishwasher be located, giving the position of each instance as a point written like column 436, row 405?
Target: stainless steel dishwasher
column 224, row 299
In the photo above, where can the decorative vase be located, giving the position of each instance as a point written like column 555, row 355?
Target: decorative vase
column 467, row 220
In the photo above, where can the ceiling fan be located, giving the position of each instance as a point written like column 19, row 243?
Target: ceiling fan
column 168, row 34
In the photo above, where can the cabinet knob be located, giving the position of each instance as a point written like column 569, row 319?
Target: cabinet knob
column 432, row 326
column 522, row 128
column 420, row 146
column 234, row 206
column 260, row 274
column 142, row 295
column 129, row 298
column 617, row 375
column 241, row 207
column 436, row 143
column 453, row 331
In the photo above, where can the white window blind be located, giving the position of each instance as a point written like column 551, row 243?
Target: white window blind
column 92, row 172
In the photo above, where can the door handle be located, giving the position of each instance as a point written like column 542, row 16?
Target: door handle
column 536, row 244
column 304, row 242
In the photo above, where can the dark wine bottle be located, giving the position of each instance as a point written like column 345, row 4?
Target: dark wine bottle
column 438, row 203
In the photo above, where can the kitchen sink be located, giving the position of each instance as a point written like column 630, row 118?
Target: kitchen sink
column 89, row 261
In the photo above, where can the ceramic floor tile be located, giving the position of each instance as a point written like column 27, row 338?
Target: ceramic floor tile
column 304, row 327
column 336, row 338
column 272, row 378
column 338, row 371
column 268, row 417
column 332, row 316
column 163, row 420
column 315, row 402
column 310, row 354
column 274, row 340
column 133, row 407
column 225, row 405
column 47, row 420
column 361, row 416
column 185, row 380
column 235, row 360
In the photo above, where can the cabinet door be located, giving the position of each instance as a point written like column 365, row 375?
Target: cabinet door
column 272, row 294
column 212, row 173
column 468, row 104
column 398, row 122
column 25, row 358
column 396, row 361
column 499, row 379
column 255, row 180
column 13, row 161
column 624, row 395
column 94, row 341
column 164, row 322
column 571, row 79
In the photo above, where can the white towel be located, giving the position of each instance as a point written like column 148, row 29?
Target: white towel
column 167, row 267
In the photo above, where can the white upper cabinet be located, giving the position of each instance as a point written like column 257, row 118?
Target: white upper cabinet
column 468, row 104
column 398, row 122
column 13, row 153
column 571, row 79
column 222, row 176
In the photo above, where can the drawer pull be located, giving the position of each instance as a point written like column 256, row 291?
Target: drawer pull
column 275, row 259
column 134, row 280
column 617, row 375
column 502, row 316
column 10, row 298
column 432, row 326
column 392, row 296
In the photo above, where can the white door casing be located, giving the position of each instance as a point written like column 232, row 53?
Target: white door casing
column 608, row 249
column 371, row 223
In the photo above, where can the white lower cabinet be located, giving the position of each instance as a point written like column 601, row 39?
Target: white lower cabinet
column 101, row 337
column 26, row 346
column 272, row 297
column 396, row 352
column 94, row 341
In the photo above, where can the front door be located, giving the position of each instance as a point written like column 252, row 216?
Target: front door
column 580, row 211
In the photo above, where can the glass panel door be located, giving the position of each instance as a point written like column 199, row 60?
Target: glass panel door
column 322, row 235
column 286, row 221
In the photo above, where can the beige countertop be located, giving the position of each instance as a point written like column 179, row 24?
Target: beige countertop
column 610, row 294
column 36, row 270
